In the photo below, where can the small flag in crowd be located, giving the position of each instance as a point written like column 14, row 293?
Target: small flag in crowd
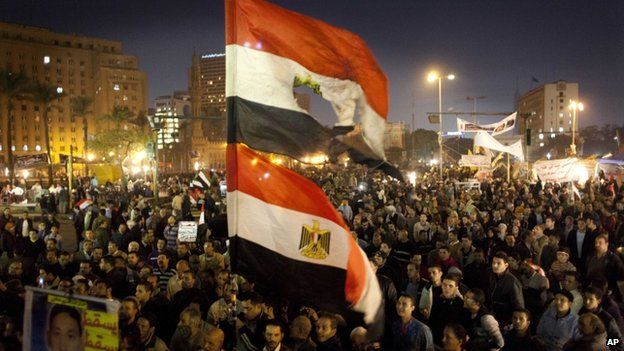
column 198, row 186
column 84, row 203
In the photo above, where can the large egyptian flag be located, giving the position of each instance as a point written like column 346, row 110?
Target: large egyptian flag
column 271, row 50
column 288, row 239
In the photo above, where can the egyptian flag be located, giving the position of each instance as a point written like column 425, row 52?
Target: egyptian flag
column 271, row 50
column 288, row 239
column 198, row 186
column 84, row 204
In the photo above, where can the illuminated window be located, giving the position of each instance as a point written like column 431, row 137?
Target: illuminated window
column 46, row 60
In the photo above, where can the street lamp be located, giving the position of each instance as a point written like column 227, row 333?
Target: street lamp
column 574, row 106
column 432, row 77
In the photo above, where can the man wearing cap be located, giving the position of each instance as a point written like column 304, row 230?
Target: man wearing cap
column 558, row 324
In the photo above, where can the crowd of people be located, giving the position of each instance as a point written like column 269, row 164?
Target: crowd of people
column 507, row 266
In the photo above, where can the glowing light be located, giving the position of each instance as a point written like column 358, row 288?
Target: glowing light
column 135, row 169
column 277, row 161
column 37, row 148
column 59, row 90
column 411, row 176
column 581, row 173
column 548, row 155
column 433, row 161
column 196, row 166
column 111, row 154
column 450, row 76
column 146, row 168
column 90, row 157
column 316, row 159
column 26, row 174
column 266, row 175
column 139, row 156
column 254, row 162
column 432, row 76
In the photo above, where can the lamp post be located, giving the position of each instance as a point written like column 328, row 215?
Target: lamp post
column 432, row 77
column 574, row 106
column 474, row 106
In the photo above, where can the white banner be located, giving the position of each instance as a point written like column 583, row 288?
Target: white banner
column 187, row 231
column 475, row 161
column 563, row 170
column 487, row 141
column 507, row 124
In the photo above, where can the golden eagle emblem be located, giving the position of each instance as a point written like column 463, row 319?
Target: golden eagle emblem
column 314, row 241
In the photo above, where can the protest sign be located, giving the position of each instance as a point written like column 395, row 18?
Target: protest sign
column 31, row 161
column 475, row 161
column 187, row 231
column 54, row 320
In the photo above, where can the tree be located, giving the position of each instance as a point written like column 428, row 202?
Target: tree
column 124, row 138
column 12, row 86
column 80, row 108
column 44, row 95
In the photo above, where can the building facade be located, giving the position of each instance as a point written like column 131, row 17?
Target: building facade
column 80, row 66
column 207, row 131
column 546, row 110
column 173, row 143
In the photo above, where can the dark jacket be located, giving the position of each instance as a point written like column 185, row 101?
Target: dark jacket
column 332, row 344
column 444, row 311
column 299, row 344
column 513, row 342
column 586, row 249
column 588, row 343
column 506, row 295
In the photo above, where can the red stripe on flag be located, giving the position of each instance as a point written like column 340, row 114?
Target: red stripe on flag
column 356, row 274
column 318, row 46
column 255, row 175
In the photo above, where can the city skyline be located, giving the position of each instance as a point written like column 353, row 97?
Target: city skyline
column 489, row 46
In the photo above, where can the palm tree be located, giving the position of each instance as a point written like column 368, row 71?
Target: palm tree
column 44, row 94
column 80, row 107
column 12, row 86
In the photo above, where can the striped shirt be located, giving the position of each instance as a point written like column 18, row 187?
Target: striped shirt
column 163, row 277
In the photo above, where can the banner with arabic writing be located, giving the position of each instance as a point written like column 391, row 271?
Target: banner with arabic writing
column 503, row 126
column 54, row 320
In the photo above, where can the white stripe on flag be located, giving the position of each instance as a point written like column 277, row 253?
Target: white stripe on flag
column 267, row 79
column 279, row 229
column 202, row 178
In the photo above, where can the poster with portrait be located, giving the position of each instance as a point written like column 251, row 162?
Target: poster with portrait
column 54, row 320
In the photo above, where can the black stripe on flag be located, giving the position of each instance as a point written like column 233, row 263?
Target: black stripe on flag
column 295, row 134
column 277, row 276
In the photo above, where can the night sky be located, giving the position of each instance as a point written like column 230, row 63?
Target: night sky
column 492, row 46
